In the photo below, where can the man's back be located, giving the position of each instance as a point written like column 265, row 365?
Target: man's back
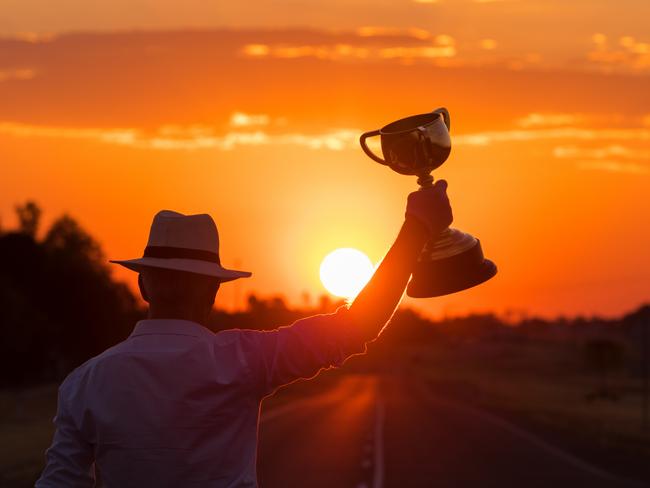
column 171, row 406
column 176, row 405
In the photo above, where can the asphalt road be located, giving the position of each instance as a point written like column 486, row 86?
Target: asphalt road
column 372, row 432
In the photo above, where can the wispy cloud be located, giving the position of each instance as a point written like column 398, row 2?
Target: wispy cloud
column 488, row 44
column 623, row 54
column 383, row 31
column 353, row 52
column 468, row 1
column 17, row 74
column 368, row 43
column 549, row 120
column 614, row 167
column 613, row 158
column 241, row 119
column 606, row 152
column 192, row 137
column 32, row 37
column 485, row 138
column 117, row 136
column 417, row 52
column 259, row 133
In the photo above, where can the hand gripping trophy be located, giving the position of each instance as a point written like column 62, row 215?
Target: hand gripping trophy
column 452, row 261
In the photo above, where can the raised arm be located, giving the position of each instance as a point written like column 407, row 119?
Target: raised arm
column 301, row 350
column 427, row 214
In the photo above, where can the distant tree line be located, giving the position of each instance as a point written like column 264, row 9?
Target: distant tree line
column 59, row 306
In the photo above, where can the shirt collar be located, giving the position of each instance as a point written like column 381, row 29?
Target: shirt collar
column 171, row 327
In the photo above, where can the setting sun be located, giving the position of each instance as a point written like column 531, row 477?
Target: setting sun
column 345, row 271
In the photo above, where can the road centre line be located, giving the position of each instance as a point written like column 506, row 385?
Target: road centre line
column 380, row 417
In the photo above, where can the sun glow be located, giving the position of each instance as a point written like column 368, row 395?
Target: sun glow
column 345, row 271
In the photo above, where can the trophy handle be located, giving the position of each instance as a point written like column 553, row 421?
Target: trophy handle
column 445, row 116
column 366, row 149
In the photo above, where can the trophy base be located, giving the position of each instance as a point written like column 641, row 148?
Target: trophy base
column 451, row 263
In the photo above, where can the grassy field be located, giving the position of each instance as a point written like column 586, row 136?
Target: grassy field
column 545, row 389
column 25, row 431
column 555, row 395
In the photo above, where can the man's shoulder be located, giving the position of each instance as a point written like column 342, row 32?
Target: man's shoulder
column 81, row 372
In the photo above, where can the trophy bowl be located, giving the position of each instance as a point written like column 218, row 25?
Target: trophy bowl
column 454, row 260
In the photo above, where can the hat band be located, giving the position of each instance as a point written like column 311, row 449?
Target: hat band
column 167, row 252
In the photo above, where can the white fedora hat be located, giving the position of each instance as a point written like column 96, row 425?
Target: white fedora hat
column 187, row 243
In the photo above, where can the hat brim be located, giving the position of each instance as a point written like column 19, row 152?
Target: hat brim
column 187, row 265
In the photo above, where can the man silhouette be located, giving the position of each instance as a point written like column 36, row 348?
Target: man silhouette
column 177, row 405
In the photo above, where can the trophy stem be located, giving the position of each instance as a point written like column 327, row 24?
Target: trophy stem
column 425, row 180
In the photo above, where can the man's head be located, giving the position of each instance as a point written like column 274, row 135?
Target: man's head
column 177, row 294
column 180, row 271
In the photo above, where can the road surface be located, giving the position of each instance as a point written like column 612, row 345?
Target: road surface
column 389, row 431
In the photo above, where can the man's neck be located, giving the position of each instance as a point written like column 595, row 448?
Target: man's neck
column 192, row 316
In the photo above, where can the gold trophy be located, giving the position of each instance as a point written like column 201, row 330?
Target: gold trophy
column 452, row 261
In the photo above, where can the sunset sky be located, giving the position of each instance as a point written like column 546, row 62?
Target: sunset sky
column 251, row 111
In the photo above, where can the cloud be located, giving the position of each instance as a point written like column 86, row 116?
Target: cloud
column 391, row 44
column 17, row 74
column 253, row 131
column 351, row 52
column 255, row 50
column 614, row 167
column 613, row 158
column 488, row 44
column 417, row 52
column 626, row 54
column 485, row 138
column 370, row 43
column 117, row 136
column 382, row 31
column 173, row 137
column 241, row 119
column 32, row 37
column 606, row 152
column 548, row 120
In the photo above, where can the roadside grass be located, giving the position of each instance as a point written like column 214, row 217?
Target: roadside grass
column 26, row 430
column 544, row 385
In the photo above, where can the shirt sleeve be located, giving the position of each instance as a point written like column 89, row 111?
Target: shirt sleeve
column 301, row 350
column 69, row 460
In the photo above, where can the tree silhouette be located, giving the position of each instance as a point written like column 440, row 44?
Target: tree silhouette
column 67, row 236
column 29, row 217
column 58, row 303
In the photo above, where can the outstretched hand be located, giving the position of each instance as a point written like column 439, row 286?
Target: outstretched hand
column 430, row 207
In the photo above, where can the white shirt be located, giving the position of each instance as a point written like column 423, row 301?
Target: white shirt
column 177, row 405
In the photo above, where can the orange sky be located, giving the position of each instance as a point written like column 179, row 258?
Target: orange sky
column 258, row 126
